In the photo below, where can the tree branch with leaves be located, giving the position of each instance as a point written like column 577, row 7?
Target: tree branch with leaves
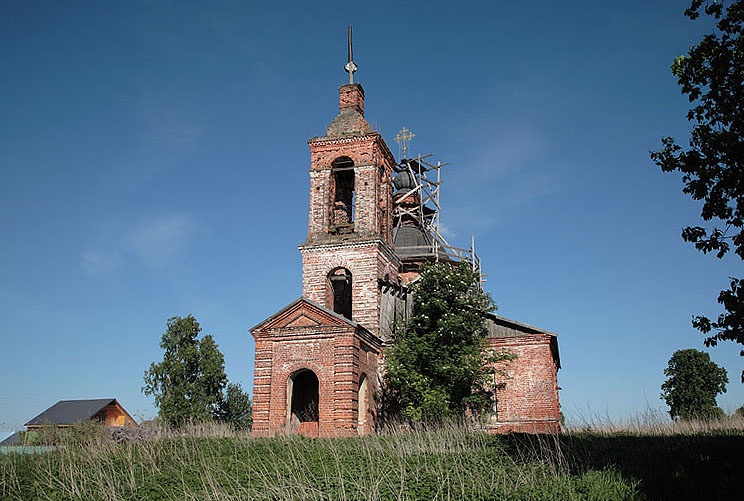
column 712, row 167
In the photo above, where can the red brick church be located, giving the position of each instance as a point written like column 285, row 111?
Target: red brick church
column 318, row 360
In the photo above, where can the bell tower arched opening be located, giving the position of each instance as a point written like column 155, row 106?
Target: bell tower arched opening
column 340, row 289
column 303, row 395
column 342, row 215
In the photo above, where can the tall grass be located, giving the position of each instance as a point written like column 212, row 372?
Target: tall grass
column 216, row 463
column 656, row 423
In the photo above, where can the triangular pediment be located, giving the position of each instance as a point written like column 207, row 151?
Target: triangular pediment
column 303, row 313
column 303, row 320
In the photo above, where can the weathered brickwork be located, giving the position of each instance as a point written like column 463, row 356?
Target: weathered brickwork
column 340, row 353
column 316, row 365
column 527, row 396
column 368, row 261
column 373, row 167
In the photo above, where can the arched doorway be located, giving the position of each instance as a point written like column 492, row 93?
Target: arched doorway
column 303, row 397
column 362, row 415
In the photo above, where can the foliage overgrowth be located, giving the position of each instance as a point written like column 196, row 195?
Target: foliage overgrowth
column 437, row 367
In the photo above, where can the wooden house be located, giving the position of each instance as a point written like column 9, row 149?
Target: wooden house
column 106, row 411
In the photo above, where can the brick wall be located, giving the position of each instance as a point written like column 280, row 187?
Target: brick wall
column 368, row 262
column 337, row 352
column 373, row 167
column 527, row 400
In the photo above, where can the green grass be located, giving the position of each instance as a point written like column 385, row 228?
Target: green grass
column 447, row 463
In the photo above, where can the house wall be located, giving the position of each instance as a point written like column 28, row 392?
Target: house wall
column 527, row 397
column 115, row 416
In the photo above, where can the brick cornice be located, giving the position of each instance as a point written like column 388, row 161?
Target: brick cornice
column 353, row 244
column 332, row 141
column 375, row 136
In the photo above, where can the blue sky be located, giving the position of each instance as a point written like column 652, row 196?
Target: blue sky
column 153, row 162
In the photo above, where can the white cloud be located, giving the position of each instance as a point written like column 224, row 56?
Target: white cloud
column 156, row 242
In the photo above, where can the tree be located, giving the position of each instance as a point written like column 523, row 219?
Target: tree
column 693, row 383
column 188, row 384
column 436, row 367
column 236, row 408
column 739, row 412
column 712, row 76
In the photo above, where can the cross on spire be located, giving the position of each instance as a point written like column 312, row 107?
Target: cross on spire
column 403, row 138
column 350, row 67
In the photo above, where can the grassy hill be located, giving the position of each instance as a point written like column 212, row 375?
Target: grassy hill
column 214, row 463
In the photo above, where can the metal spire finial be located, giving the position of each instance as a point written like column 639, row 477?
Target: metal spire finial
column 350, row 67
column 402, row 138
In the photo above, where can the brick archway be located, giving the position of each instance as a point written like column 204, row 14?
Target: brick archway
column 303, row 401
column 363, row 427
column 303, row 396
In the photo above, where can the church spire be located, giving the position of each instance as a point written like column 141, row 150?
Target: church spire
column 350, row 66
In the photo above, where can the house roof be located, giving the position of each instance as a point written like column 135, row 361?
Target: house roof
column 14, row 439
column 71, row 411
column 505, row 327
column 501, row 327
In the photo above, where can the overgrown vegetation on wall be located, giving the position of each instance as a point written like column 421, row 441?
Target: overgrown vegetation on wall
column 437, row 367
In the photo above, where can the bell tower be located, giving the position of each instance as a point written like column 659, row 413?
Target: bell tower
column 316, row 360
column 348, row 251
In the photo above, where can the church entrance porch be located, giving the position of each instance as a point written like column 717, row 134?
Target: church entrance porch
column 303, row 394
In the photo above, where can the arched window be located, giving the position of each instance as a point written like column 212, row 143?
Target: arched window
column 362, row 419
column 340, row 288
column 303, row 396
column 343, row 195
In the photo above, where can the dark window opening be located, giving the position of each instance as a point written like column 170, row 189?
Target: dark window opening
column 305, row 397
column 344, row 195
column 340, row 279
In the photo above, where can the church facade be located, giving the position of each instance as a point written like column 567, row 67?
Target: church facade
column 318, row 360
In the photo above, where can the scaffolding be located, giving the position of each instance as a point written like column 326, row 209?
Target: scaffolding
column 416, row 212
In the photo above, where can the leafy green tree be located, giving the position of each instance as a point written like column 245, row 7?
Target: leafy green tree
column 693, row 383
column 189, row 384
column 712, row 76
column 739, row 412
column 436, row 367
column 236, row 408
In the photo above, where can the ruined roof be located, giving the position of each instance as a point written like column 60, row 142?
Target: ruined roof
column 504, row 327
column 501, row 327
column 349, row 122
column 71, row 411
